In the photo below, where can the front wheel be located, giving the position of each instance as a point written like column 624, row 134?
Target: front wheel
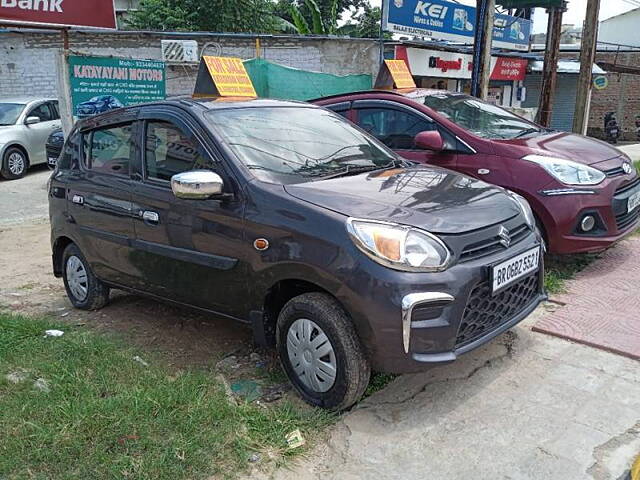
column 14, row 164
column 321, row 352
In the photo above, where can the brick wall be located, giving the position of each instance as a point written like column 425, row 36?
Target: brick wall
column 622, row 95
column 27, row 58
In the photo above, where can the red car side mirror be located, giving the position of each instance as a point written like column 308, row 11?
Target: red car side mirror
column 429, row 140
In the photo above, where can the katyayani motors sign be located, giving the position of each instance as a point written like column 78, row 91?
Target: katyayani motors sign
column 446, row 20
column 68, row 13
column 100, row 84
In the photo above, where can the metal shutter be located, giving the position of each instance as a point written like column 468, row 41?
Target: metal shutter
column 564, row 103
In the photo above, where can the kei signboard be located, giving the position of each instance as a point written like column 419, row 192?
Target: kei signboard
column 447, row 20
column 100, row 84
column 63, row 13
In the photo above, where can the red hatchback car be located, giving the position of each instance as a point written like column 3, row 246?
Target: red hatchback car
column 584, row 193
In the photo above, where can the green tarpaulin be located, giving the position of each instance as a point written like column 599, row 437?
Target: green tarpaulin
column 277, row 81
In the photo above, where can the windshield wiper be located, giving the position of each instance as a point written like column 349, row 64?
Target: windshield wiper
column 353, row 170
column 527, row 131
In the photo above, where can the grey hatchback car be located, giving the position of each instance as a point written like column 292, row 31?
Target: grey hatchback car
column 288, row 218
column 25, row 125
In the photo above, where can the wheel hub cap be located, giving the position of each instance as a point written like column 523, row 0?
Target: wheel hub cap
column 16, row 163
column 311, row 355
column 77, row 278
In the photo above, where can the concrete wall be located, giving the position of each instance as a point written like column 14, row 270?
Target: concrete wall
column 27, row 58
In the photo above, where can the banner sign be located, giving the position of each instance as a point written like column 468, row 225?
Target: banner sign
column 530, row 3
column 440, row 64
column 100, row 84
column 66, row 13
column 223, row 77
column 447, row 20
column 394, row 73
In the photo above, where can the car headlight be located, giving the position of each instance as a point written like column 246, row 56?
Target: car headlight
column 525, row 208
column 399, row 246
column 568, row 172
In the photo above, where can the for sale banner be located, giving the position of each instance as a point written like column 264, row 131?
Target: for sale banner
column 70, row 13
column 100, row 84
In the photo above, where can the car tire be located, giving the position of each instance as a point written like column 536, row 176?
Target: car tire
column 14, row 164
column 84, row 289
column 321, row 352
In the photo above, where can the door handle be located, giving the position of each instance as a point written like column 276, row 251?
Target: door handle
column 150, row 217
column 484, row 171
column 78, row 199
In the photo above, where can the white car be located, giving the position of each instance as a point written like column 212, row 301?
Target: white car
column 25, row 125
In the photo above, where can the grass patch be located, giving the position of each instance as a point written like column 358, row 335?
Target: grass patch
column 107, row 416
column 378, row 382
column 559, row 269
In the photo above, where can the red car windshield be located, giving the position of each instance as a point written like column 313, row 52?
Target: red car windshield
column 480, row 118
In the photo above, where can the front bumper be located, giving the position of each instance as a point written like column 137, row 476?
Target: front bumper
column 416, row 320
column 609, row 206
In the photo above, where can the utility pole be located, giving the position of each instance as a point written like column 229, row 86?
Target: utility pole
column 587, row 57
column 485, row 17
column 550, row 72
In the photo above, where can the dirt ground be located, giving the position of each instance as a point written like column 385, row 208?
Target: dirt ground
column 184, row 337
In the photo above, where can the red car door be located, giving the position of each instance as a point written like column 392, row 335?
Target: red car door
column 396, row 125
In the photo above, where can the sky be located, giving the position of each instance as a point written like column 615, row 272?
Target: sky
column 575, row 14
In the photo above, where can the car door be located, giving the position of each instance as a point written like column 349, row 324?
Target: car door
column 186, row 250
column 99, row 200
column 38, row 133
column 396, row 126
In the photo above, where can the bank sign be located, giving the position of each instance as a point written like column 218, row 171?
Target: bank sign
column 446, row 20
column 100, row 84
column 68, row 13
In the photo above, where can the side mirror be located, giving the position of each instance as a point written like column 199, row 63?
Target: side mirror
column 196, row 184
column 429, row 140
column 32, row 120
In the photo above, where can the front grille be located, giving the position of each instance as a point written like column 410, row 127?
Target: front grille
column 625, row 220
column 614, row 172
column 485, row 313
column 493, row 244
column 629, row 186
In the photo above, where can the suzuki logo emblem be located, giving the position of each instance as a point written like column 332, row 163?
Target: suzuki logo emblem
column 626, row 167
column 505, row 237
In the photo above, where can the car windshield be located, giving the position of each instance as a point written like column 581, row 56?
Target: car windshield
column 480, row 118
column 10, row 112
column 296, row 144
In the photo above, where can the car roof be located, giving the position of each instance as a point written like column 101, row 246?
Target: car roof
column 412, row 93
column 203, row 104
column 26, row 100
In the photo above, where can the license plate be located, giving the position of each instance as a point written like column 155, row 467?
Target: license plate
column 634, row 202
column 510, row 271
column 52, row 161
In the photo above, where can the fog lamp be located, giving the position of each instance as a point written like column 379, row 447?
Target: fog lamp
column 588, row 222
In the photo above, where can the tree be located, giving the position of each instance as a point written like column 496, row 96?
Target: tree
column 330, row 11
column 211, row 15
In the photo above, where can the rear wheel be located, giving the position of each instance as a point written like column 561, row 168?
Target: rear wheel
column 14, row 164
column 84, row 289
column 321, row 352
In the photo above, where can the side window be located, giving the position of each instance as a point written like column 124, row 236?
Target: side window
column 341, row 108
column 55, row 111
column 395, row 128
column 168, row 151
column 42, row 112
column 69, row 157
column 109, row 150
